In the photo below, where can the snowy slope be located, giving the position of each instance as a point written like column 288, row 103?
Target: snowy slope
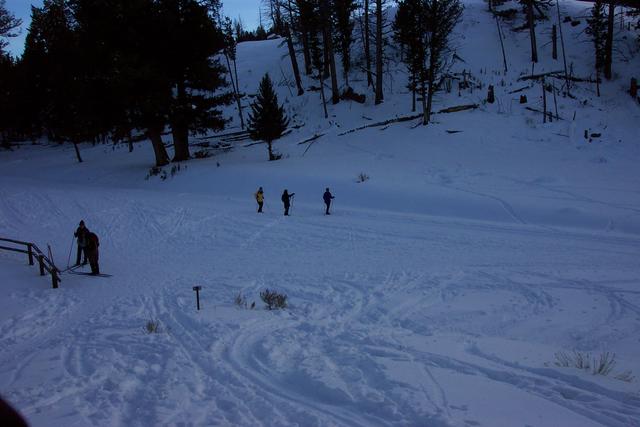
column 437, row 294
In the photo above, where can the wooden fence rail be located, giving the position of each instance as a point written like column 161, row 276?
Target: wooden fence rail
column 32, row 252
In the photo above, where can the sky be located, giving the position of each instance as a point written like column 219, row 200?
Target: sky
column 247, row 10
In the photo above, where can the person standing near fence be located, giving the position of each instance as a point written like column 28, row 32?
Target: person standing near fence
column 92, row 252
column 81, row 236
column 260, row 199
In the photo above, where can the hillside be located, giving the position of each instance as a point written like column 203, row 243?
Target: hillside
column 442, row 291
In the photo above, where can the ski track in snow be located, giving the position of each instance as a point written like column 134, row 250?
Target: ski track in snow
column 301, row 366
column 436, row 294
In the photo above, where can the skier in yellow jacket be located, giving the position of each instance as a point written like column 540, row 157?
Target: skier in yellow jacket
column 260, row 199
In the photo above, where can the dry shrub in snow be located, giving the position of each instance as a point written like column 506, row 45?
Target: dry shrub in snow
column 362, row 177
column 601, row 365
column 152, row 327
column 273, row 299
column 240, row 300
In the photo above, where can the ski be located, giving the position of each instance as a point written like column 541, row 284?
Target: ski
column 82, row 273
column 72, row 269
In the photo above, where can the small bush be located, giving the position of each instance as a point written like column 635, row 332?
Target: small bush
column 273, row 299
column 626, row 376
column 362, row 177
column 202, row 154
column 601, row 365
column 240, row 300
column 152, row 327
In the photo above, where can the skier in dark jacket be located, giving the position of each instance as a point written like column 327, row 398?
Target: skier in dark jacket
column 92, row 252
column 81, row 235
column 327, row 200
column 286, row 199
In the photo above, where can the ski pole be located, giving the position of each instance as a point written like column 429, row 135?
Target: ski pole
column 70, row 249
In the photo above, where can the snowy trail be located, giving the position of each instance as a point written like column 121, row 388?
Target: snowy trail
column 436, row 294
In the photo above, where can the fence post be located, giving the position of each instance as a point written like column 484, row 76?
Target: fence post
column 54, row 278
column 41, row 262
column 30, row 253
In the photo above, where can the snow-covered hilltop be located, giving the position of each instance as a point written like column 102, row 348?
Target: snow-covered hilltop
column 469, row 266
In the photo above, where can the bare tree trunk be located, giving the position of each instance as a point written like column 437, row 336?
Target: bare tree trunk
column 162, row 158
column 180, row 142
column 330, row 60
column 335, row 93
column 413, row 91
column 532, row 31
column 324, row 100
column 544, row 103
column 431, row 88
column 608, row 54
column 235, row 91
column 75, row 146
column 504, row 56
column 294, row 60
column 379, row 44
column 564, row 55
column 270, row 148
column 425, row 115
column 367, row 46
column 325, row 51
column 179, row 128
column 554, row 41
column 308, row 70
column 130, row 141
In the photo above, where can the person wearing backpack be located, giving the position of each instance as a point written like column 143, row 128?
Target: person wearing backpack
column 92, row 252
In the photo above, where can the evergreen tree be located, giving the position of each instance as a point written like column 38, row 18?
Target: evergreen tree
column 441, row 17
column 343, row 10
column 50, row 61
column 267, row 120
column 8, row 23
column 410, row 32
column 597, row 29
column 195, row 77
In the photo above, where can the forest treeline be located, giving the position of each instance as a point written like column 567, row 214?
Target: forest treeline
column 131, row 69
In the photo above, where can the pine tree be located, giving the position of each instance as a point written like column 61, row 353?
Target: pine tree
column 267, row 120
column 441, row 16
column 597, row 29
column 195, row 76
column 410, row 32
column 343, row 9
column 8, row 23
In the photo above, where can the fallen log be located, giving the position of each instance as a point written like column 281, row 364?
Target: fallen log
column 458, row 108
column 313, row 138
column 538, row 76
column 558, row 75
column 549, row 113
column 412, row 117
column 519, row 90
column 386, row 122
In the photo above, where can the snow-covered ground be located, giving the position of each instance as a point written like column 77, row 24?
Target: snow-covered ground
column 437, row 294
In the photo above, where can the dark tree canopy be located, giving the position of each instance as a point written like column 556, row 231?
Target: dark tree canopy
column 8, row 25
